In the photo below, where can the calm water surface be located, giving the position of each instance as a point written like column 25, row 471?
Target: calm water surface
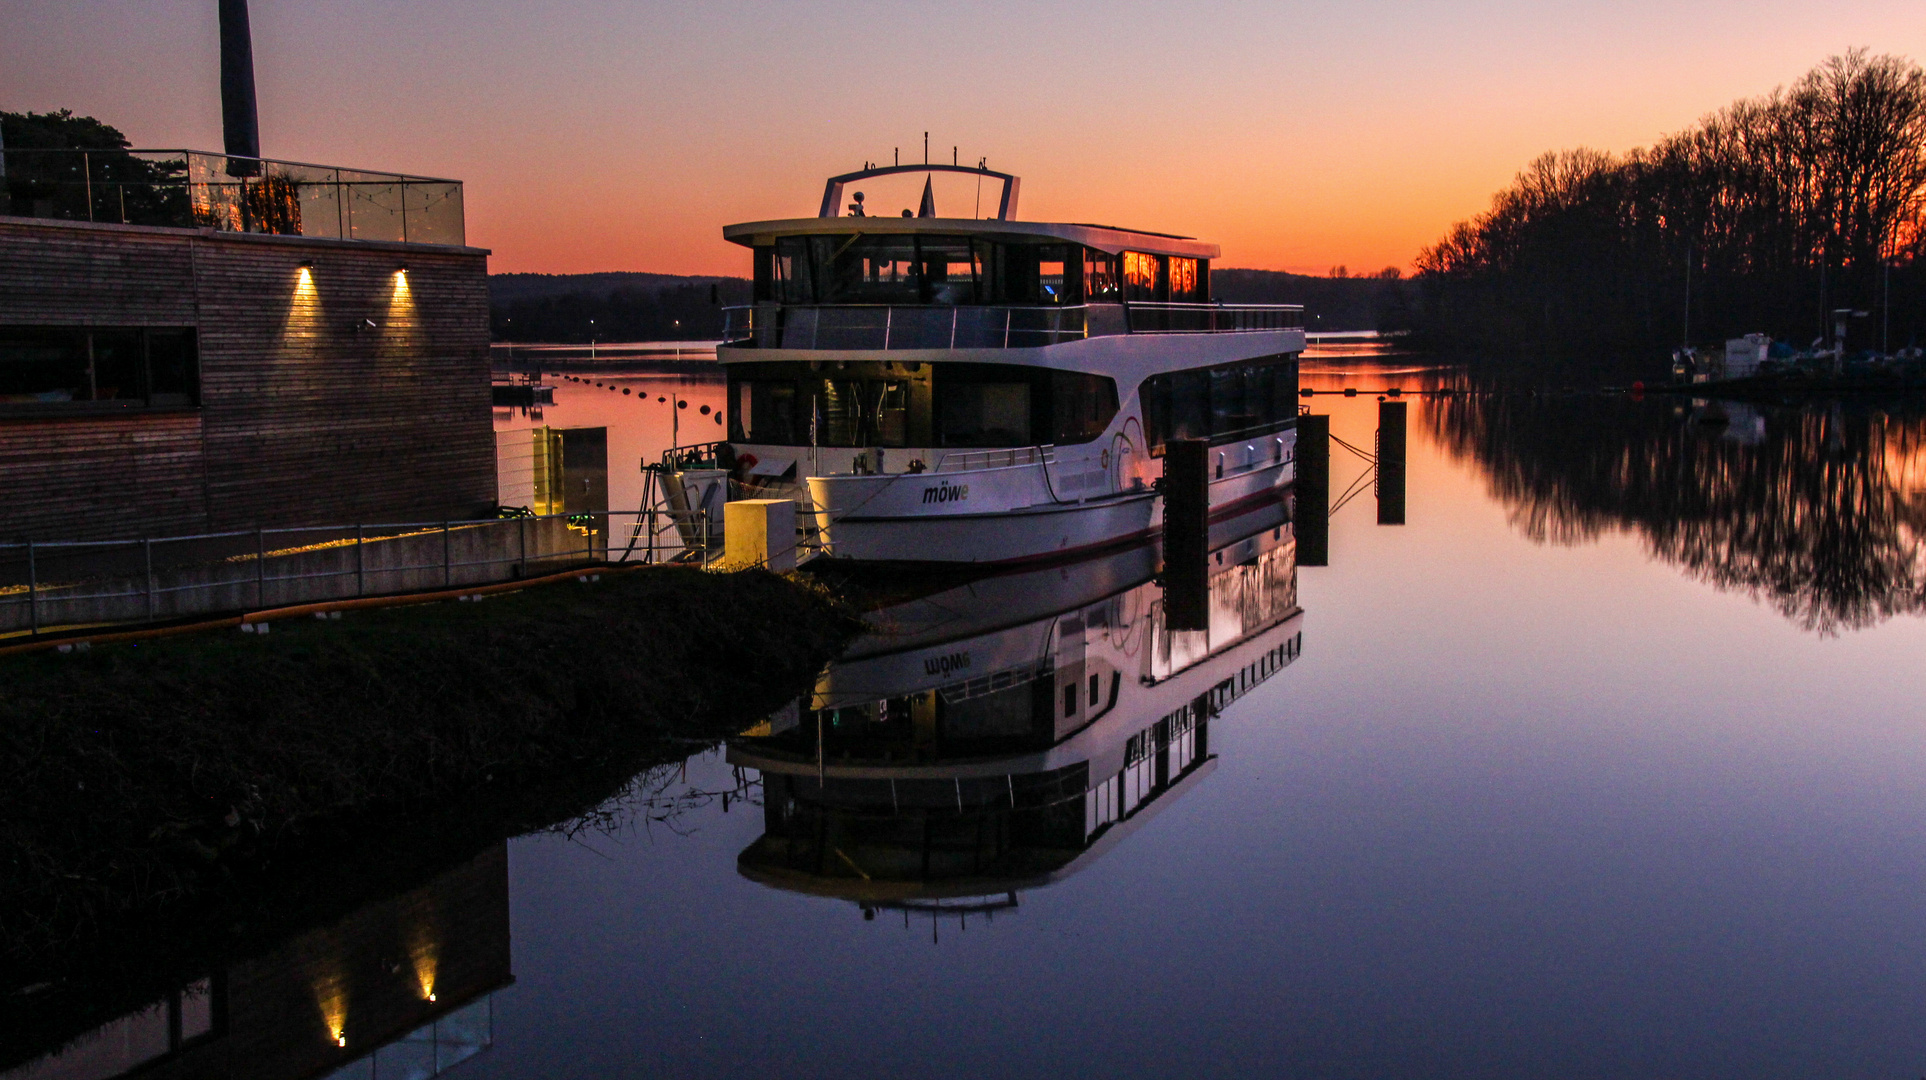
column 1611, row 761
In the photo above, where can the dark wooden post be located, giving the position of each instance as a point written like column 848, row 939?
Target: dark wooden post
column 1391, row 442
column 1311, row 495
column 1186, row 534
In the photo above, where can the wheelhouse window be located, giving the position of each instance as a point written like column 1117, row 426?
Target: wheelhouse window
column 1153, row 279
column 860, row 268
column 1184, row 281
column 1102, row 280
column 863, row 404
column 57, row 367
column 1221, row 404
column 1143, row 277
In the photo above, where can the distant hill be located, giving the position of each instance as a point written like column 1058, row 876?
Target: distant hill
column 1330, row 303
column 511, row 287
column 620, row 306
column 573, row 308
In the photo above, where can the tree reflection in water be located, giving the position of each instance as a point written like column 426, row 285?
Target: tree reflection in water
column 1819, row 512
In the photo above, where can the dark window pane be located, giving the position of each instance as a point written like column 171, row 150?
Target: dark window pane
column 764, row 411
column 1101, row 281
column 42, row 365
column 173, row 375
column 1189, row 405
column 983, row 413
column 951, row 270
column 794, row 282
column 118, row 366
column 1082, row 405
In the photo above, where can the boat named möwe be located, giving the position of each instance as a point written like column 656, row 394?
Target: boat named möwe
column 993, row 390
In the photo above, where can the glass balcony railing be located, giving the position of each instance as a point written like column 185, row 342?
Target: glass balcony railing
column 882, row 326
column 186, row 189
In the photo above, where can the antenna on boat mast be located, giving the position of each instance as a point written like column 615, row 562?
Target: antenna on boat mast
column 926, row 148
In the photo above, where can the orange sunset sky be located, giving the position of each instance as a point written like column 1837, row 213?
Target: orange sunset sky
column 606, row 135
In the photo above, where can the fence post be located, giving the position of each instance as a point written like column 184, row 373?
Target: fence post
column 521, row 539
column 33, row 591
column 360, row 564
column 147, row 555
column 447, row 569
column 260, row 566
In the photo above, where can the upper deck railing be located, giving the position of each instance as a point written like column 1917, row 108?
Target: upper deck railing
column 884, row 326
column 188, row 189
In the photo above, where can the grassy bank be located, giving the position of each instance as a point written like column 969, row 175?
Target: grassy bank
column 144, row 778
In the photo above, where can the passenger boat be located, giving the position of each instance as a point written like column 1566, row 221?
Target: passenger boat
column 989, row 390
column 1002, row 735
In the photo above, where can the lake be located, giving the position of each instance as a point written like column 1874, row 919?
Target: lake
column 1610, row 761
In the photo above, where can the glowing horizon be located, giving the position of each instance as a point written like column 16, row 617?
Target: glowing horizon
column 604, row 135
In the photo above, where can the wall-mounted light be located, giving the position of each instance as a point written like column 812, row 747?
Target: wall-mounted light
column 306, row 264
column 401, row 268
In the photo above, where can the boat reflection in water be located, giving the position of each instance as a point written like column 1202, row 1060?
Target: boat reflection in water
column 1002, row 735
column 402, row 987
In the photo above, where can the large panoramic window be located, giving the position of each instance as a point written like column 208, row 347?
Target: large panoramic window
column 856, row 404
column 1221, row 404
column 872, row 403
column 61, row 367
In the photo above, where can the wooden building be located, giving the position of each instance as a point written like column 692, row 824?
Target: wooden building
column 162, row 380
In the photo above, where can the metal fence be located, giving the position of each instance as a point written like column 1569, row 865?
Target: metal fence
column 194, row 190
column 51, row 585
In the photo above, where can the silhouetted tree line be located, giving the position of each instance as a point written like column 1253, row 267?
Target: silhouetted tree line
column 1779, row 209
column 1812, row 515
column 123, row 187
column 1381, row 301
column 652, row 308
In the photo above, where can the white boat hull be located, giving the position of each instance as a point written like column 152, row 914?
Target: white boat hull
column 890, row 518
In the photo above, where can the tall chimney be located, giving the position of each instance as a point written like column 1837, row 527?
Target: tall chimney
column 239, row 123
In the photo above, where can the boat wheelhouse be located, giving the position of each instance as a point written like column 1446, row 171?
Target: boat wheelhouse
column 993, row 390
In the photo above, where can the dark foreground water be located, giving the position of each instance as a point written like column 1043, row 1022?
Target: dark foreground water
column 1609, row 762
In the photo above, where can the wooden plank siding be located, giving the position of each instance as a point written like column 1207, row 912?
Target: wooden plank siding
column 308, row 415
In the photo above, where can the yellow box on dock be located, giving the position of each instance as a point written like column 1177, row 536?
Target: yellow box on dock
column 759, row 532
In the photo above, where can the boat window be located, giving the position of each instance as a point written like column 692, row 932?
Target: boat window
column 1222, row 404
column 1081, row 405
column 794, row 283
column 855, row 405
column 867, row 269
column 1101, row 280
column 951, row 269
column 1143, row 277
column 1036, row 274
column 765, row 411
column 1186, row 284
column 983, row 413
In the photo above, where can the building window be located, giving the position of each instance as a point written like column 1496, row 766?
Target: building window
column 90, row 369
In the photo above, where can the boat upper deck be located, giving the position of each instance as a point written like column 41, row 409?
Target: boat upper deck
column 856, row 282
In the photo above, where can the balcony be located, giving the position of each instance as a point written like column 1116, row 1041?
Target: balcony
column 882, row 326
column 186, row 189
